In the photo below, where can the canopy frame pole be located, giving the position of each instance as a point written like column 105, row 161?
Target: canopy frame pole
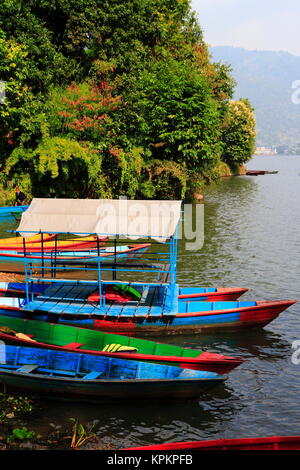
column 43, row 260
column 114, row 270
column 101, row 301
column 172, row 270
column 55, row 256
column 25, row 270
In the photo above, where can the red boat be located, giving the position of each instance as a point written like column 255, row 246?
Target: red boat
column 13, row 289
column 260, row 172
column 256, row 443
column 196, row 317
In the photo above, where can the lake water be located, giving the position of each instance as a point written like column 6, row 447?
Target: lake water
column 251, row 240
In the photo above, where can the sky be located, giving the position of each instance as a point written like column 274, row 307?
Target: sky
column 252, row 24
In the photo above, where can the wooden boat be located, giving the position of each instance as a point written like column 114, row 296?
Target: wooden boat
column 255, row 443
column 82, row 256
column 84, row 376
column 188, row 294
column 158, row 310
column 4, row 211
column 260, row 172
column 68, row 338
column 145, row 319
column 48, row 245
column 17, row 242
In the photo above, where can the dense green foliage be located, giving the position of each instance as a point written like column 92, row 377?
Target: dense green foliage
column 111, row 98
column 238, row 133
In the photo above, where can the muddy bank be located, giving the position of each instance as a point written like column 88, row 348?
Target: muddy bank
column 19, row 429
column 11, row 277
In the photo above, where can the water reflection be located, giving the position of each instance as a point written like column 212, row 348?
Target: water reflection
column 136, row 424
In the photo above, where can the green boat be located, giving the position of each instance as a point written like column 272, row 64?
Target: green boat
column 72, row 339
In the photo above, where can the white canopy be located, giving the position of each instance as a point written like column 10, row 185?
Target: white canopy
column 104, row 217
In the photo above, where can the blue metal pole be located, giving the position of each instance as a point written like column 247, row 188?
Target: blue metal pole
column 25, row 270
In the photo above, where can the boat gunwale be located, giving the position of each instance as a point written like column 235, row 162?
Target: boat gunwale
column 218, row 443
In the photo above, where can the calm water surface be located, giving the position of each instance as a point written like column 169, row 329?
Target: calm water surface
column 251, row 240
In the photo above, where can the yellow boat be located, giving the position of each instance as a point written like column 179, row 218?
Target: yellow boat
column 18, row 241
column 34, row 243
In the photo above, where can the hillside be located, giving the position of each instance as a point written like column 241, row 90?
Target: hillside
column 266, row 78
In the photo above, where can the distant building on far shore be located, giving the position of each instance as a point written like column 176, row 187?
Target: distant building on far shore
column 265, row 151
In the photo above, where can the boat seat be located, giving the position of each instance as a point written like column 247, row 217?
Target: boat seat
column 192, row 290
column 112, row 348
column 27, row 368
column 244, row 303
column 227, row 305
column 58, row 372
column 200, row 306
column 73, row 345
column 93, row 375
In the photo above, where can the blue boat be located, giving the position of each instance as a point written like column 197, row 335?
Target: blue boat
column 83, row 376
column 144, row 319
column 10, row 210
column 188, row 294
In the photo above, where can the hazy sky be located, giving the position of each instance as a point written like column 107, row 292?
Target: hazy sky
column 252, row 24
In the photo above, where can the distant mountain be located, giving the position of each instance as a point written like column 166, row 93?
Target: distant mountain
column 266, row 78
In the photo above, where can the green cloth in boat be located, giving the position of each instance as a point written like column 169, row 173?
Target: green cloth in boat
column 118, row 348
column 127, row 290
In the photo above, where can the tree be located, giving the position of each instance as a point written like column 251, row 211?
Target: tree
column 126, row 90
column 177, row 117
column 13, row 75
column 238, row 133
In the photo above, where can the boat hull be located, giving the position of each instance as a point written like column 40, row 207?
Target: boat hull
column 256, row 443
column 236, row 319
column 107, row 390
column 70, row 339
column 17, row 242
column 255, row 316
column 81, row 376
